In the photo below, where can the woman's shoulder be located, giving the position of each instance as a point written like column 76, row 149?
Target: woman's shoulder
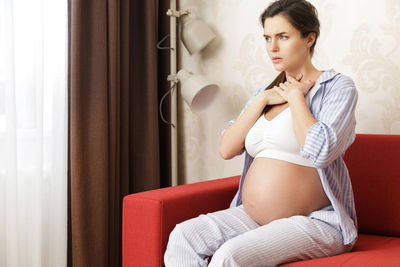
column 336, row 81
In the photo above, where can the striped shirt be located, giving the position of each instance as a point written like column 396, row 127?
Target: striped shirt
column 332, row 102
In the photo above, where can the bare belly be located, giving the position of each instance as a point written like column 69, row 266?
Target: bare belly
column 276, row 189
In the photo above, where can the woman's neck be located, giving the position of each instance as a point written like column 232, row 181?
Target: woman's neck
column 308, row 70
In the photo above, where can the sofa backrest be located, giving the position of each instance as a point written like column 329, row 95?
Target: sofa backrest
column 373, row 161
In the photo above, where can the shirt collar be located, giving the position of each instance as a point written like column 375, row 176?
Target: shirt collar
column 326, row 76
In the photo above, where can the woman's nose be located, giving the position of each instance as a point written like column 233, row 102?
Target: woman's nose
column 274, row 46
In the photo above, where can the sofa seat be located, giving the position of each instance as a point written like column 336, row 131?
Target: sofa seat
column 369, row 251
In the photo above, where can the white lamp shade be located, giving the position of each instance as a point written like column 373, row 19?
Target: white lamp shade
column 196, row 90
column 195, row 34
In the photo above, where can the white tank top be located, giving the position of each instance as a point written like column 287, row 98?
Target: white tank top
column 275, row 139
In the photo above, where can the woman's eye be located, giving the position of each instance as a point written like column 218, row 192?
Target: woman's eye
column 268, row 39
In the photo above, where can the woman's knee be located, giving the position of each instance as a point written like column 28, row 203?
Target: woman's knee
column 228, row 254
column 175, row 233
column 181, row 230
column 188, row 231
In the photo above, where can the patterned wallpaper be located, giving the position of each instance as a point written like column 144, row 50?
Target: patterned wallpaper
column 359, row 38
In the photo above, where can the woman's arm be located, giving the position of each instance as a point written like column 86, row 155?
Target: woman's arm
column 233, row 138
column 332, row 134
column 232, row 141
column 325, row 138
column 302, row 118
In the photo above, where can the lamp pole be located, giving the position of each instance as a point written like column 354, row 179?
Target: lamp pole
column 206, row 37
column 174, row 95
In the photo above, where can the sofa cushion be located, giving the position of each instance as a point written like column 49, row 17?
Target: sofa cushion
column 369, row 251
column 373, row 162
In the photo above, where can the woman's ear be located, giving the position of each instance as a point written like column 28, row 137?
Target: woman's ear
column 310, row 39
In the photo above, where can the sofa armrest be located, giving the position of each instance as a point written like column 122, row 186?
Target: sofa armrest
column 149, row 217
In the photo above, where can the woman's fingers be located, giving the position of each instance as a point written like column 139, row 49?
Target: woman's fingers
column 292, row 79
column 274, row 96
column 283, row 86
column 277, row 88
column 279, row 91
column 278, row 94
column 308, row 83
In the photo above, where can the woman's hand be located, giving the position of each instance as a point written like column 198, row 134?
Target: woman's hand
column 293, row 87
column 271, row 97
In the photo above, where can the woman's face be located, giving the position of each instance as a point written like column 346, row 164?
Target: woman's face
column 284, row 41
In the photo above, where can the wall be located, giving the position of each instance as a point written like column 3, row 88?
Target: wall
column 358, row 38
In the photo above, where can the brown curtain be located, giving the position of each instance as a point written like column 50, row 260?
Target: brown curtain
column 117, row 142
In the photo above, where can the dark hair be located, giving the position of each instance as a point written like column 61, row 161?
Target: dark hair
column 302, row 15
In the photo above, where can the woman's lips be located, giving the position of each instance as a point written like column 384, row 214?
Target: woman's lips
column 276, row 59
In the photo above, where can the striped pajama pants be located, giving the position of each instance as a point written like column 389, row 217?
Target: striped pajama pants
column 233, row 238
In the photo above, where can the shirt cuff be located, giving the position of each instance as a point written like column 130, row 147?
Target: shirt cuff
column 312, row 146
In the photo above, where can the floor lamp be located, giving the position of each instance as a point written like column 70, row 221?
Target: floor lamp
column 196, row 90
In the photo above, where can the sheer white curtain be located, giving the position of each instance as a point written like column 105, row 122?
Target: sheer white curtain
column 33, row 132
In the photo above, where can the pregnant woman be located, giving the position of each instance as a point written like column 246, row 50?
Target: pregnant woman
column 295, row 199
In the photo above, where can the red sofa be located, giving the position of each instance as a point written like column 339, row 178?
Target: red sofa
column 373, row 161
